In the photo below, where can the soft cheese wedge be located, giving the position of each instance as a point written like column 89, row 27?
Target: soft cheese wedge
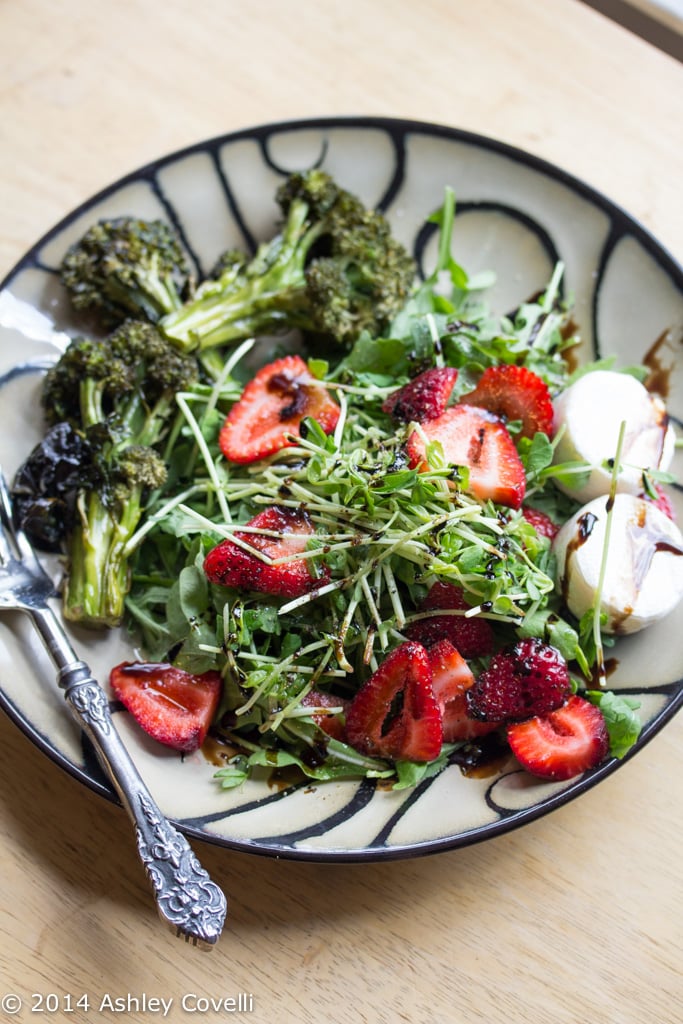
column 644, row 574
column 589, row 415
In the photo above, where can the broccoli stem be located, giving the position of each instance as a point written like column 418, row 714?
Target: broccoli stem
column 269, row 298
column 253, row 310
column 162, row 292
column 98, row 579
column 91, row 401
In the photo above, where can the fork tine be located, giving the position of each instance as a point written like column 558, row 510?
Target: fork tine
column 21, row 541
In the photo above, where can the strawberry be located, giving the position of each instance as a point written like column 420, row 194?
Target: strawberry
column 663, row 502
column 472, row 636
column 477, row 439
column 423, row 398
column 541, row 522
column 174, row 707
column 395, row 713
column 563, row 743
column 230, row 565
column 272, row 406
column 527, row 678
column 451, row 678
column 514, row 393
column 333, row 725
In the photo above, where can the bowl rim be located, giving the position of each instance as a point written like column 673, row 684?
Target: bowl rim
column 395, row 127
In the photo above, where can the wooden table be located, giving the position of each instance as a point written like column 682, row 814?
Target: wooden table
column 574, row 918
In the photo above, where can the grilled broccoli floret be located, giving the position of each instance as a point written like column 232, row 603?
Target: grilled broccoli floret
column 111, row 402
column 129, row 378
column 334, row 270
column 45, row 486
column 127, row 267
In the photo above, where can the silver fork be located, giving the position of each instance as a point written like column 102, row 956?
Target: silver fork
column 191, row 904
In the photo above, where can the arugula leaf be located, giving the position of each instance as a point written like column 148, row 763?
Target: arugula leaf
column 409, row 773
column 235, row 772
column 377, row 356
column 193, row 592
column 536, row 453
column 319, row 368
column 623, row 724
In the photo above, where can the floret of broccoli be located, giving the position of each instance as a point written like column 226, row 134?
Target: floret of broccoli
column 45, row 486
column 334, row 269
column 127, row 380
column 127, row 267
column 112, row 401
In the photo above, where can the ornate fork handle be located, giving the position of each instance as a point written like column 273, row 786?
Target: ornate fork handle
column 187, row 899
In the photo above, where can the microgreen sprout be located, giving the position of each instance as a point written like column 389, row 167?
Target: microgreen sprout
column 609, row 505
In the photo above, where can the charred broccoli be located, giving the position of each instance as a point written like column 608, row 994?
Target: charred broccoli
column 110, row 402
column 45, row 486
column 334, row 270
column 126, row 267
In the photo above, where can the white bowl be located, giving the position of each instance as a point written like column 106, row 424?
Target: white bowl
column 516, row 215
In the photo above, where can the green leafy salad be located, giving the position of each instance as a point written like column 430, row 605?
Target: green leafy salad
column 314, row 578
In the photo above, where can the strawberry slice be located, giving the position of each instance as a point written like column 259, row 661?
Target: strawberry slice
column 477, row 439
column 514, row 393
column 395, row 713
column 174, row 707
column 230, row 565
column 332, row 724
column 272, row 406
column 524, row 679
column 451, row 679
column 663, row 502
column 471, row 636
column 423, row 398
column 563, row 743
column 541, row 522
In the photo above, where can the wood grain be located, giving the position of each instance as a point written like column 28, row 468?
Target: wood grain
column 574, row 918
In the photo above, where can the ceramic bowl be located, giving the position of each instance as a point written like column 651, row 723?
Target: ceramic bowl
column 517, row 216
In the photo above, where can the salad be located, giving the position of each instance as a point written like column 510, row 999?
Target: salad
column 412, row 536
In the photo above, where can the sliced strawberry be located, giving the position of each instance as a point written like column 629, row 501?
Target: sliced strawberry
column 451, row 678
column 395, row 713
column 171, row 705
column 230, row 565
column 477, row 439
column 563, row 743
column 272, row 406
column 472, row 636
column 524, row 679
column 514, row 393
column 423, row 398
column 332, row 724
column 541, row 522
column 662, row 501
